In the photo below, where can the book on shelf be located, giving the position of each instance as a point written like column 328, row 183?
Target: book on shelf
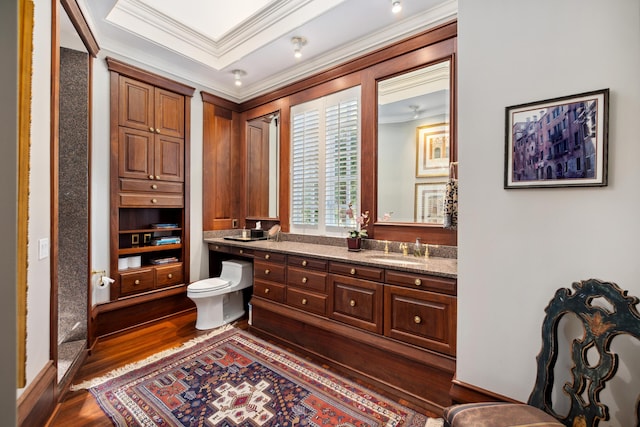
column 167, row 260
column 166, row 240
column 164, row 225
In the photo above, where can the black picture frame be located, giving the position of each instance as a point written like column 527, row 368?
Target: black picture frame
column 559, row 142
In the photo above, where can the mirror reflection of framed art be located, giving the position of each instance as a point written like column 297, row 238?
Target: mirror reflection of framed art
column 432, row 150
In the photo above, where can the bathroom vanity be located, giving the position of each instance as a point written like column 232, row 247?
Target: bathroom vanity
column 383, row 318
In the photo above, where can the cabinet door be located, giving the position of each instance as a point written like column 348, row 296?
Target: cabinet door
column 169, row 113
column 422, row 318
column 135, row 154
column 135, row 104
column 169, row 158
column 356, row 302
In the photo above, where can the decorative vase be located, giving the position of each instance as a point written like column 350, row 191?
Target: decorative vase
column 353, row 243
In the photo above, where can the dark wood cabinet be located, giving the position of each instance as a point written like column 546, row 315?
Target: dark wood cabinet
column 396, row 329
column 149, row 225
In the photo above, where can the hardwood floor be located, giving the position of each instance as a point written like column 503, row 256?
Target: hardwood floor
column 79, row 408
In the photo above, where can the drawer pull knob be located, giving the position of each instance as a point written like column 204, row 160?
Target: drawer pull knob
column 266, row 290
column 353, row 271
column 352, row 303
column 157, row 130
column 418, row 282
column 241, row 251
column 217, row 247
column 154, row 200
column 304, row 301
column 304, row 263
column 151, row 130
column 267, row 271
column 137, row 282
column 154, row 187
column 417, row 320
column 170, row 276
column 267, row 256
column 150, row 176
column 157, row 176
column 304, row 280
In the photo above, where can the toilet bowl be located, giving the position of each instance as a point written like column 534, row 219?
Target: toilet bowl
column 219, row 299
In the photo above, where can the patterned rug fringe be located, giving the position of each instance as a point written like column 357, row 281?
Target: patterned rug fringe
column 434, row 422
column 135, row 365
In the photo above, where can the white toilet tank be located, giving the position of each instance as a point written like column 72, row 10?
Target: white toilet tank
column 238, row 273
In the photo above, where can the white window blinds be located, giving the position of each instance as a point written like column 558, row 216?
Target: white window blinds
column 325, row 163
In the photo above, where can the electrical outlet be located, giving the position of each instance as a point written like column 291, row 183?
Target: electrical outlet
column 234, row 223
column 43, row 248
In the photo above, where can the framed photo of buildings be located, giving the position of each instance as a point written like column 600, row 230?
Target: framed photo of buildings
column 432, row 150
column 560, row 142
column 429, row 202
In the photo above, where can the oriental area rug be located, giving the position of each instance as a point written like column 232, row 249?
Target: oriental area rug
column 231, row 378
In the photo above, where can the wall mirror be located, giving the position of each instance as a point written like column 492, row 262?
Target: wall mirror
column 414, row 111
column 263, row 154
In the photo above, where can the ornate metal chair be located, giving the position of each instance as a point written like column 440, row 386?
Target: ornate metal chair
column 601, row 320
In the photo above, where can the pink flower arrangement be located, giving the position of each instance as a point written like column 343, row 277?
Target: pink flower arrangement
column 362, row 221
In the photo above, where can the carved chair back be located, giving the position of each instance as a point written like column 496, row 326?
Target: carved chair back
column 605, row 311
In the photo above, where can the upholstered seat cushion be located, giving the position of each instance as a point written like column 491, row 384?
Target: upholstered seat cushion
column 496, row 414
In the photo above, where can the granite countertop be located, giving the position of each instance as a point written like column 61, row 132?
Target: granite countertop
column 443, row 267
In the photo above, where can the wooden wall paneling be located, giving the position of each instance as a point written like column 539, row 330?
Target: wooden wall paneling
column 222, row 173
column 38, row 401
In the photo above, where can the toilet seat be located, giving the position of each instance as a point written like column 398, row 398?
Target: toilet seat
column 208, row 285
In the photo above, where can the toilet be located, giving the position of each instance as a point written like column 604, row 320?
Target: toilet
column 219, row 299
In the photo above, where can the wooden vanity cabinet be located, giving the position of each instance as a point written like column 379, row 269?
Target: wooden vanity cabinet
column 399, row 336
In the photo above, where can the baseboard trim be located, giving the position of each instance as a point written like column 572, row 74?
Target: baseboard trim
column 461, row 392
column 38, row 401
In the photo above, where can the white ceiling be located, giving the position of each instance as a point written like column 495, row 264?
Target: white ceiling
column 202, row 41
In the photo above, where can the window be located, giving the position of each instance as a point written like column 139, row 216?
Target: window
column 325, row 163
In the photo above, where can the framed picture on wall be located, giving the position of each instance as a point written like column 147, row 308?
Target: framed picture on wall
column 432, row 150
column 429, row 202
column 560, row 142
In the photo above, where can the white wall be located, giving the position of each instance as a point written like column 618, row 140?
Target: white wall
column 38, row 276
column 516, row 247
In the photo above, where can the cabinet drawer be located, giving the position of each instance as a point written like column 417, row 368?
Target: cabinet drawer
column 268, row 290
column 150, row 200
column 356, row 302
column 269, row 271
column 270, row 256
column 422, row 318
column 308, row 263
column 136, row 281
column 141, row 185
column 306, row 279
column 420, row 281
column 307, row 301
column 240, row 251
column 362, row 272
column 219, row 248
column 169, row 275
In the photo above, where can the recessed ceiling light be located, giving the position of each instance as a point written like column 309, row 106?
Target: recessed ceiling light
column 396, row 6
column 238, row 74
column 298, row 42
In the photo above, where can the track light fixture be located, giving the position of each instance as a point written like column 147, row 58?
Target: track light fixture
column 298, row 42
column 238, row 74
column 396, row 6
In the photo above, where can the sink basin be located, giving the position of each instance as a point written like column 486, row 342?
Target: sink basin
column 397, row 260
